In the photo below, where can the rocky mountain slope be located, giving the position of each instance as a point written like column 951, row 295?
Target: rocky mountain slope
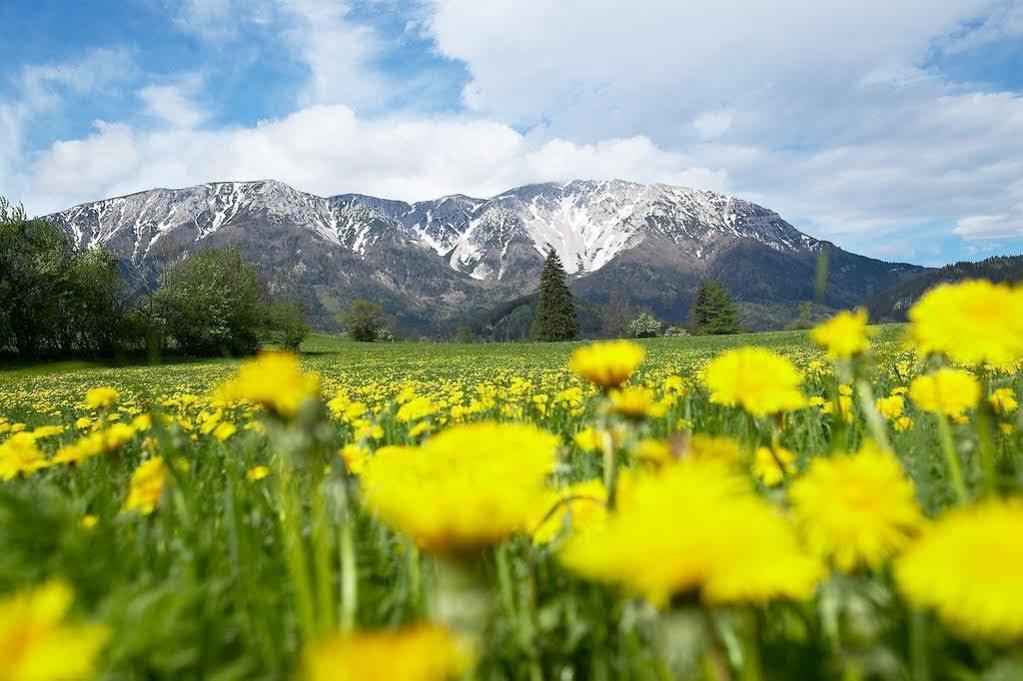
column 432, row 263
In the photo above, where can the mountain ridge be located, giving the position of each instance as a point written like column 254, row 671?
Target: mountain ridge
column 440, row 260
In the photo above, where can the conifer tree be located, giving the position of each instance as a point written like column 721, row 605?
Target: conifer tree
column 713, row 310
column 556, row 318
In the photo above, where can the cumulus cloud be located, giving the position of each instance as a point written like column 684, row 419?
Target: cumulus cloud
column 330, row 149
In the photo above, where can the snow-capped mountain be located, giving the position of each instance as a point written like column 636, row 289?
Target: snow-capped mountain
column 459, row 252
column 588, row 223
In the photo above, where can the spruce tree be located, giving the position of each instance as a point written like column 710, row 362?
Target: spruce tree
column 556, row 318
column 713, row 310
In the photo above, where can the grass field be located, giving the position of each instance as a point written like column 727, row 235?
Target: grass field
column 785, row 517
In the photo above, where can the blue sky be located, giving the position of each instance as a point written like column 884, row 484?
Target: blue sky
column 894, row 129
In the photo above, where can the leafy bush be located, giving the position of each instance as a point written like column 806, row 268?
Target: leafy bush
column 212, row 303
column 644, row 326
column 364, row 321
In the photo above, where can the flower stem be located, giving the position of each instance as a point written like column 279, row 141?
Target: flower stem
column 610, row 466
column 919, row 663
column 751, row 668
column 955, row 468
column 349, row 575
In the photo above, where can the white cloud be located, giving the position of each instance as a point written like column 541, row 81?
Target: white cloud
column 44, row 87
column 173, row 103
column 329, row 149
column 992, row 226
column 338, row 53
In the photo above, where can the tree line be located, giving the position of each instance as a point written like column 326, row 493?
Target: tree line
column 713, row 311
column 62, row 301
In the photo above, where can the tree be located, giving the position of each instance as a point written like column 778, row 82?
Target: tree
column 713, row 310
column 556, row 317
column 57, row 300
column 617, row 315
column 644, row 326
column 464, row 334
column 212, row 303
column 364, row 320
column 287, row 324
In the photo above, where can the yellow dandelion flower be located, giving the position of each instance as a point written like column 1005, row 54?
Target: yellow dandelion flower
column 695, row 527
column 38, row 644
column 652, row 451
column 274, row 380
column 20, row 455
column 756, row 379
column 420, row 653
column 903, row 423
column 972, row 322
column 607, row 364
column 117, row 436
column 101, row 398
column 844, row 335
column 635, row 403
column 415, row 409
column 257, row 473
column 968, row 567
column 224, row 430
column 771, row 467
column 945, row 391
column 891, row 407
column 355, row 457
column 89, row 521
column 146, row 488
column 466, row 488
column 715, row 447
column 857, row 510
column 591, row 439
column 1003, row 400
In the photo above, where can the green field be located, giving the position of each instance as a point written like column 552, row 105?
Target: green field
column 212, row 539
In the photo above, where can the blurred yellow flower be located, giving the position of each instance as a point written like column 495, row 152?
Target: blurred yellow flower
column 771, row 467
column 635, row 402
column 20, row 455
column 968, row 566
column 607, row 364
column 652, row 451
column 844, row 335
column 717, row 447
column 36, row 642
column 857, row 510
column 695, row 527
column 1003, row 400
column 355, row 457
column 756, row 379
column 972, row 322
column 466, row 488
column 274, row 380
column 579, row 506
column 146, row 488
column 591, row 439
column 420, row 653
column 224, row 430
column 891, row 407
column 257, row 473
column 945, row 391
column 101, row 398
